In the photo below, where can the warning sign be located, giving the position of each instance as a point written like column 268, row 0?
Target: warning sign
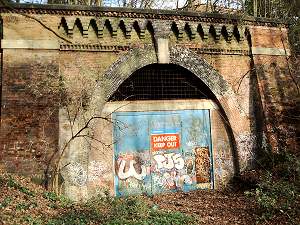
column 164, row 141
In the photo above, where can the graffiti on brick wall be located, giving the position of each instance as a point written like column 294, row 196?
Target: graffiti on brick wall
column 246, row 145
column 75, row 174
column 162, row 171
column 169, row 161
column 132, row 172
column 11, row 19
column 171, row 181
column 30, row 148
column 223, row 161
column 78, row 175
column 96, row 171
column 170, row 152
column 176, row 171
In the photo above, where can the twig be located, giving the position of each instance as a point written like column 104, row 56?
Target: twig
column 69, row 118
column 242, row 78
column 287, row 61
column 37, row 20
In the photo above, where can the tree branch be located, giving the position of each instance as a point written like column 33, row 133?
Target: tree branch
column 6, row 4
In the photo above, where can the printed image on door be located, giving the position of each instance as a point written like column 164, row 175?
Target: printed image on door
column 157, row 152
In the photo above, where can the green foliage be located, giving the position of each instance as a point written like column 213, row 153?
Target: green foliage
column 278, row 191
column 12, row 183
column 32, row 220
column 134, row 210
column 22, row 206
column 118, row 211
column 129, row 209
column 275, row 197
column 74, row 217
column 5, row 202
column 57, row 201
column 154, row 218
column 103, row 209
column 51, row 196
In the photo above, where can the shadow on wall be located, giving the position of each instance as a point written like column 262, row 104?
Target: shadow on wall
column 274, row 101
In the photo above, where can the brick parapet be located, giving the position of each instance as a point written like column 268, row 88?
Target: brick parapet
column 73, row 10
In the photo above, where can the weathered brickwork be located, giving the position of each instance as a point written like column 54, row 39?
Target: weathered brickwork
column 278, row 88
column 29, row 126
column 244, row 63
column 278, row 84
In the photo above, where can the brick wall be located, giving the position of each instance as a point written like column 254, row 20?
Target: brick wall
column 29, row 125
column 278, row 85
column 262, row 83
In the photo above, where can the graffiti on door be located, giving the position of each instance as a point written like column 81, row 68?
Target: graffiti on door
column 132, row 171
column 165, row 157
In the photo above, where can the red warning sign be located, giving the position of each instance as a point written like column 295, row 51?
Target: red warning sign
column 164, row 141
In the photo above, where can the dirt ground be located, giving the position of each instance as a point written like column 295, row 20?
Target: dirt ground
column 217, row 207
column 210, row 207
column 207, row 206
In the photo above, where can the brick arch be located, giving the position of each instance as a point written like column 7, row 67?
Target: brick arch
column 138, row 58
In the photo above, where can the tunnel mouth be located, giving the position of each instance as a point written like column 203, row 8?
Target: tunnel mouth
column 167, row 100
column 162, row 82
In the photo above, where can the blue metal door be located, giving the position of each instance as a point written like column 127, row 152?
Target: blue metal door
column 162, row 151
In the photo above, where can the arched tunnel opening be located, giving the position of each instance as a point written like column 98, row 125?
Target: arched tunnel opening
column 168, row 134
column 162, row 82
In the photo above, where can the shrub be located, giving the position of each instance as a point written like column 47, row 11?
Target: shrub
column 278, row 190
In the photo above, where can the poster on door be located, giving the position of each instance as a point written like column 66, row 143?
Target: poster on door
column 165, row 141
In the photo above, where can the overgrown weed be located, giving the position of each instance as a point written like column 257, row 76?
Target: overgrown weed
column 278, row 189
column 22, row 205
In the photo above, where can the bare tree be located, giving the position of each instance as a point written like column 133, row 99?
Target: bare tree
column 71, row 95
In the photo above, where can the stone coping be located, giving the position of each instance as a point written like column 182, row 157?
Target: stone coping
column 135, row 13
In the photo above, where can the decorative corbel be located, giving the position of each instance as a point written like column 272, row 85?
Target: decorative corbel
column 180, row 26
column 128, row 28
column 114, row 23
column 193, row 29
column 100, row 28
column 70, row 21
column 218, row 30
column 229, row 29
column 85, row 22
column 142, row 26
column 205, row 29
column 241, row 30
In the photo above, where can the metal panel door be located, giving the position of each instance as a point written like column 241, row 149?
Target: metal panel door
column 165, row 151
column 162, row 151
column 132, row 159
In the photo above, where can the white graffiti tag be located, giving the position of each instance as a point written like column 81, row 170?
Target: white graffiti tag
column 169, row 161
column 96, row 171
column 131, row 172
column 76, row 174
